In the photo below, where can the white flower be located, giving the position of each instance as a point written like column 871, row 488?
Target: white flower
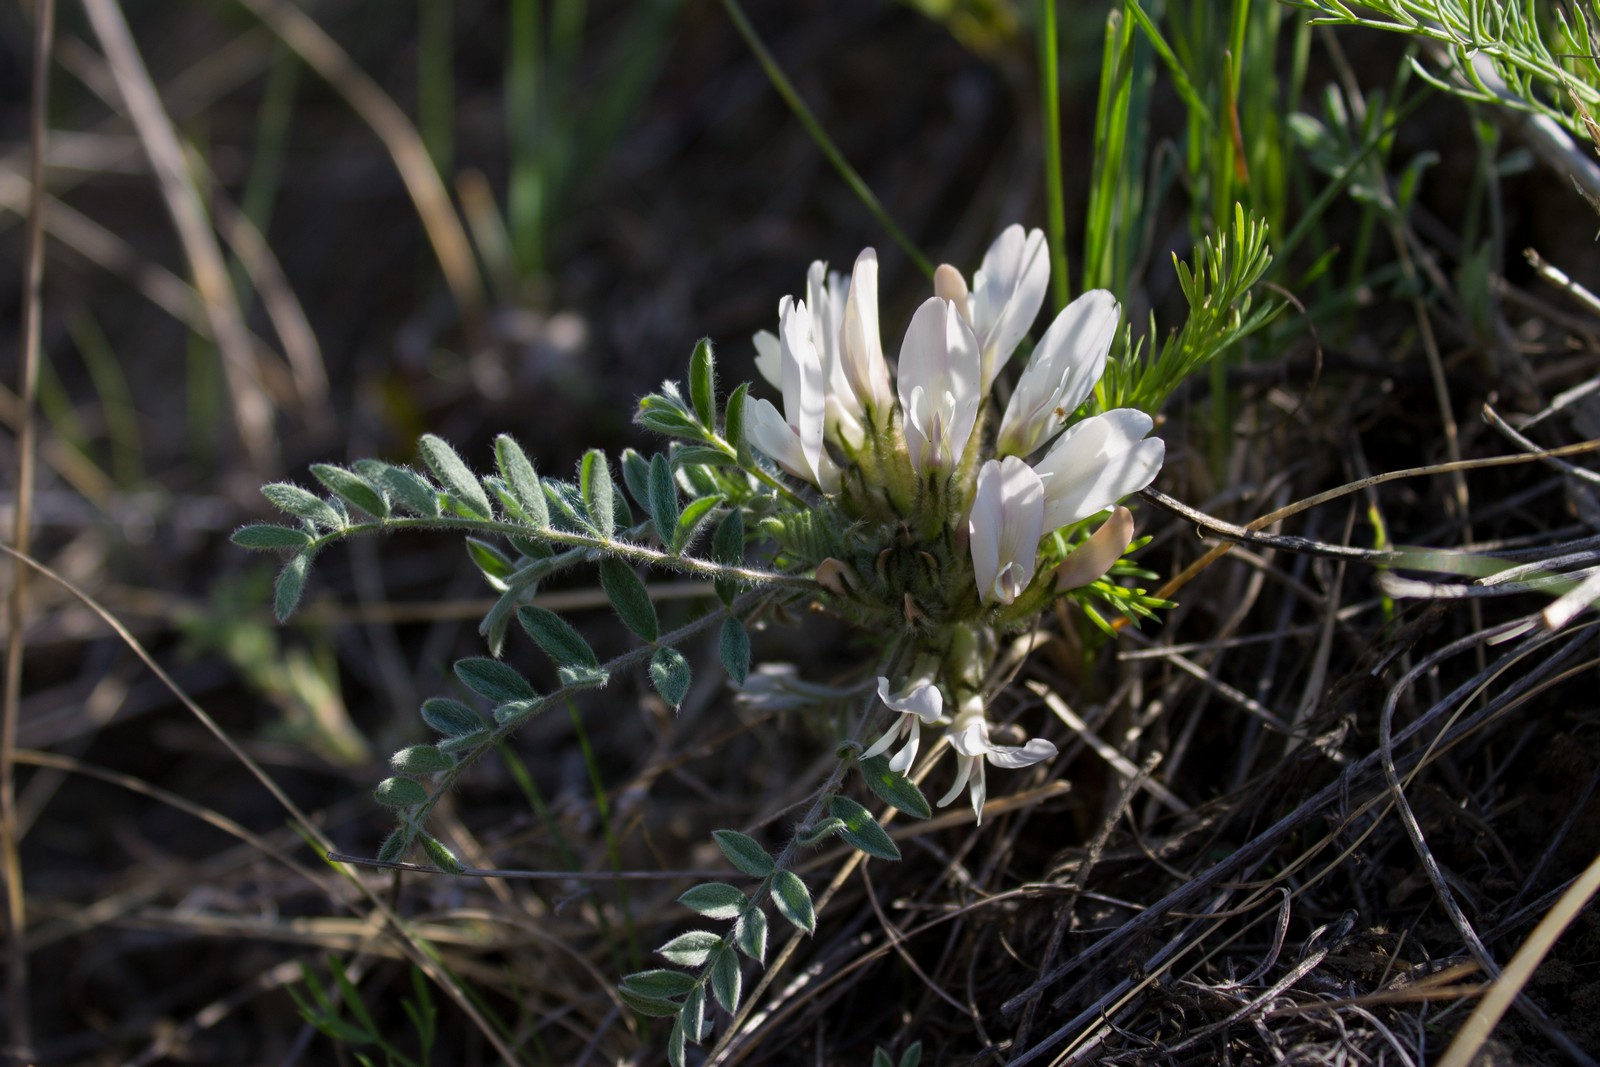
column 769, row 356
column 844, row 331
column 1096, row 463
column 1061, row 373
column 1088, row 562
column 1007, row 292
column 939, row 385
column 827, row 293
column 1005, row 525
column 970, row 738
column 794, row 438
column 860, row 346
column 920, row 703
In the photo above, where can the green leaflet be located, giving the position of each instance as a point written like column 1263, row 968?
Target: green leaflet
column 628, row 595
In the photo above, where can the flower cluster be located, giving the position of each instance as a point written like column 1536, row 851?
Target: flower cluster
column 911, row 451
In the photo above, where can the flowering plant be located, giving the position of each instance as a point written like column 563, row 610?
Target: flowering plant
column 924, row 504
column 949, row 536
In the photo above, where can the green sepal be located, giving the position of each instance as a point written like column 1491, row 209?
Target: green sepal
column 734, row 425
column 658, row 984
column 521, row 480
column 750, row 934
column 726, row 981
column 397, row 844
column 400, row 793
column 735, row 648
column 793, row 901
column 302, row 504
column 714, row 900
column 594, row 483
column 352, row 488
column 441, row 856
column 265, row 536
column 861, row 830
column 744, row 852
column 627, row 593
column 655, row 1009
column 556, row 637
column 689, row 523
column 690, row 949
column 411, row 489
column 703, row 383
column 894, row 788
column 459, row 481
column 663, row 498
column 494, row 680
column 450, row 717
column 419, row 760
column 290, row 584
column 669, row 670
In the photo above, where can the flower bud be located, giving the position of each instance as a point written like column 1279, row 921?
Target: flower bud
column 1089, row 562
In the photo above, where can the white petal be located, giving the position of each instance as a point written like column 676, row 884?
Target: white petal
column 1007, row 293
column 1005, row 524
column 1035, row 751
column 938, row 385
column 890, row 736
column 1089, row 561
column 907, row 756
column 964, row 766
column 983, row 528
column 1022, row 494
column 804, row 392
column 1096, row 463
column 978, row 790
column 1063, row 370
column 769, row 357
column 773, row 437
column 922, row 699
column 862, row 346
column 970, row 736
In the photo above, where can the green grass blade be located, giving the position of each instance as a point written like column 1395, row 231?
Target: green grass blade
column 1055, row 194
column 786, row 89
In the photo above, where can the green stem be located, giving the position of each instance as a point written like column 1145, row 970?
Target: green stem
column 1055, row 195
column 786, row 89
column 638, row 553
